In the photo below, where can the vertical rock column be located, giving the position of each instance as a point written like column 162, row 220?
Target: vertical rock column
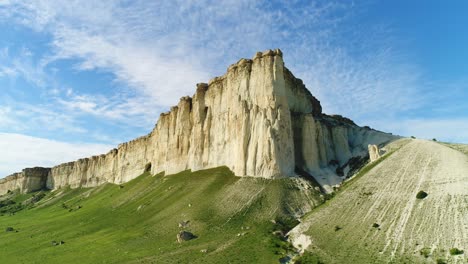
column 272, row 154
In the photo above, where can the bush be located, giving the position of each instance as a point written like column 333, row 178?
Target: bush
column 9, row 229
column 434, row 139
column 441, row 261
column 338, row 228
column 456, row 251
column 308, row 258
column 375, row 225
column 413, row 137
column 426, row 252
column 421, row 195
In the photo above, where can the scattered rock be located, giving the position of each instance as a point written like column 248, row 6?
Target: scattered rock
column 184, row 224
column 55, row 243
column 278, row 233
column 185, row 236
column 204, row 250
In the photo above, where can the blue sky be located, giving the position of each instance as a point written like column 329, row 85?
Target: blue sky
column 79, row 77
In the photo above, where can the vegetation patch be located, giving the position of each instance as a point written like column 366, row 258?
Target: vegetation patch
column 425, row 252
column 421, row 195
column 456, row 251
column 308, row 258
column 441, row 261
column 231, row 217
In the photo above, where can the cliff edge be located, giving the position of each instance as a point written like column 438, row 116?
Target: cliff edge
column 257, row 119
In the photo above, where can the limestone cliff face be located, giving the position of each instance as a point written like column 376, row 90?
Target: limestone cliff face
column 257, row 119
column 29, row 180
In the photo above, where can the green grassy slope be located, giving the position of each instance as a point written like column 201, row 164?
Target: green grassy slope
column 138, row 221
column 376, row 218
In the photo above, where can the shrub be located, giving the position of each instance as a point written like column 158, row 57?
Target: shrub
column 421, row 195
column 337, row 228
column 441, row 261
column 329, row 196
column 9, row 229
column 426, row 252
column 413, row 137
column 456, row 251
column 375, row 225
column 308, row 258
column 434, row 139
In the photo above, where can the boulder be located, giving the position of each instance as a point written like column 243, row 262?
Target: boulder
column 373, row 153
column 185, row 236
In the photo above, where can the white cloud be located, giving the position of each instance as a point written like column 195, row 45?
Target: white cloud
column 25, row 151
column 7, row 72
column 132, row 111
column 160, row 49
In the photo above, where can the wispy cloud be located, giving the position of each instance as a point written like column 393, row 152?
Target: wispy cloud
column 129, row 110
column 19, row 117
column 157, row 50
column 32, row 151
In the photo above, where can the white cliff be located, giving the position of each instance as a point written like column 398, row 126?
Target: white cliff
column 373, row 152
column 257, row 119
column 28, row 180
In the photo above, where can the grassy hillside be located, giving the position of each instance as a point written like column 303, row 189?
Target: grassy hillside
column 137, row 222
column 377, row 217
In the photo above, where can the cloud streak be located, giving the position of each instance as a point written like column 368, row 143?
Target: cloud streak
column 156, row 51
column 32, row 151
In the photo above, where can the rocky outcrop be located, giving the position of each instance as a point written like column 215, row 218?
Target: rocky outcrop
column 185, row 236
column 373, row 153
column 257, row 119
column 29, row 180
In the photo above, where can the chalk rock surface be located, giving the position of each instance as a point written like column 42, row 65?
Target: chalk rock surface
column 373, row 152
column 28, row 180
column 257, row 119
